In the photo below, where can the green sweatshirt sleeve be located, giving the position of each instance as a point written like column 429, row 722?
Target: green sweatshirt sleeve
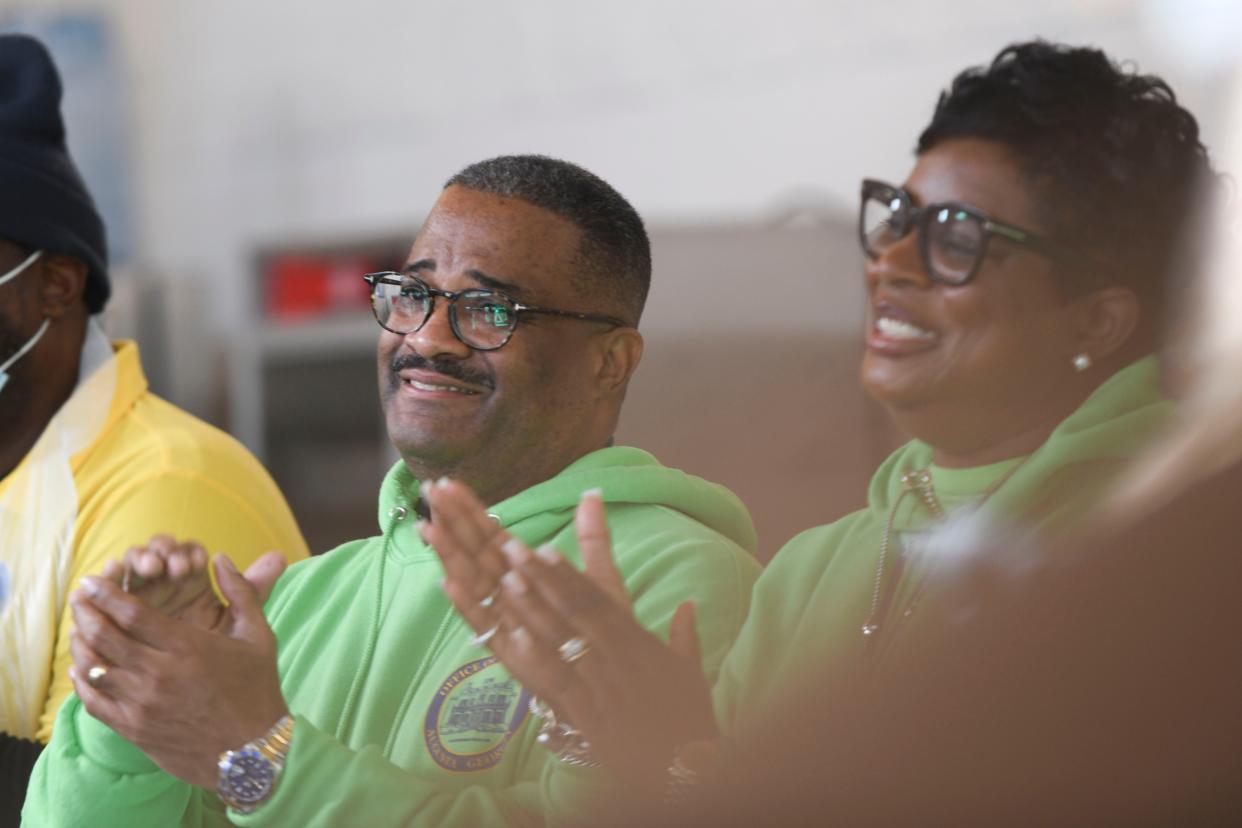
column 90, row 776
column 327, row 784
column 787, row 607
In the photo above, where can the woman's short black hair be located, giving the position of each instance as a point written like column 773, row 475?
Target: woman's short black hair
column 1115, row 164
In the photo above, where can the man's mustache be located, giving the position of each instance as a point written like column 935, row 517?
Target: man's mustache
column 450, row 368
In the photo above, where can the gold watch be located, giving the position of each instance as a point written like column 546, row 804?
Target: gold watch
column 249, row 774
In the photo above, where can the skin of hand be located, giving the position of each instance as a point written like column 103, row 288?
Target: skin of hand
column 180, row 693
column 476, row 537
column 634, row 698
column 172, row 577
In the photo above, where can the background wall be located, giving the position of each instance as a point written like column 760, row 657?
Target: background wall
column 258, row 125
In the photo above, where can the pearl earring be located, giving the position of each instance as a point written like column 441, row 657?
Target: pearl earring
column 1082, row 362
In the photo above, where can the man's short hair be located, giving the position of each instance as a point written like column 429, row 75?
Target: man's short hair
column 615, row 254
column 1114, row 163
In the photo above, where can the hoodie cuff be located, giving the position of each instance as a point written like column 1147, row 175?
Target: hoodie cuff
column 103, row 745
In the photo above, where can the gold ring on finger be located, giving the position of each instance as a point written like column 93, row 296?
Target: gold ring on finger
column 96, row 674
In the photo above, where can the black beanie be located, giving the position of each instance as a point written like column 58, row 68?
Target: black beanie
column 44, row 204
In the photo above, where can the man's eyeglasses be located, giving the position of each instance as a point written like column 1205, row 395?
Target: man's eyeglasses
column 953, row 238
column 483, row 319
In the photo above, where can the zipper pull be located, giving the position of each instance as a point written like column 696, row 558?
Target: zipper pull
column 920, row 482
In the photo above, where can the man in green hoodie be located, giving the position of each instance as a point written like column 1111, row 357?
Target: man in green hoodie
column 358, row 696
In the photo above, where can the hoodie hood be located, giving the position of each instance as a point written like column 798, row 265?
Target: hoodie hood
column 1080, row 457
column 625, row 475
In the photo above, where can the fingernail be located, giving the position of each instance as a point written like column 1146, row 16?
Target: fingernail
column 515, row 551
column 90, row 586
column 513, row 582
column 419, row 527
column 443, row 482
column 548, row 554
column 73, row 673
column 596, row 493
column 228, row 564
column 520, row 637
column 425, row 488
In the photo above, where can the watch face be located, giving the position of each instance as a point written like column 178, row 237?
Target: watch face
column 246, row 777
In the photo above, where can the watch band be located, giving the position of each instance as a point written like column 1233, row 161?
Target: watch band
column 248, row 775
column 275, row 743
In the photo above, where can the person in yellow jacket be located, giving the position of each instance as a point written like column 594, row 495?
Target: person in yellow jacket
column 91, row 462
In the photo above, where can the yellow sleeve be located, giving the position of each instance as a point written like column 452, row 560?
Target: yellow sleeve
column 185, row 504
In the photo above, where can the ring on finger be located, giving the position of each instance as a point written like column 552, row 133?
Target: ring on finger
column 491, row 598
column 573, row 649
column 131, row 580
column 481, row 639
column 96, row 674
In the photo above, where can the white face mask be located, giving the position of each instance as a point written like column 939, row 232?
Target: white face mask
column 30, row 343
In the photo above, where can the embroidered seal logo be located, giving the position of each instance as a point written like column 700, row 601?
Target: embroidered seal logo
column 473, row 715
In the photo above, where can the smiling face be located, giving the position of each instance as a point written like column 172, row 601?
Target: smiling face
column 971, row 366
column 500, row 420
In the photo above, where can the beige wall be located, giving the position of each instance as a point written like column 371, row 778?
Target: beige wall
column 750, row 373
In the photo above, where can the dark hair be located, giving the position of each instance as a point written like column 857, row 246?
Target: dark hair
column 1115, row 163
column 615, row 255
column 44, row 203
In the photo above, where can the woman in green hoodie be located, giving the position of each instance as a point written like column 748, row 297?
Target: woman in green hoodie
column 1016, row 283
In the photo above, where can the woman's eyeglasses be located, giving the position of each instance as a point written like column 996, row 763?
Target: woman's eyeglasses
column 952, row 238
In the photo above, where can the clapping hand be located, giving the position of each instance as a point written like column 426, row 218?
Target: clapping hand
column 171, row 577
column 178, row 689
column 572, row 638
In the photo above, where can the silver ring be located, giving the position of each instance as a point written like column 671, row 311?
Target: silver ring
column 573, row 649
column 541, row 709
column 481, row 639
column 491, row 598
column 96, row 674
